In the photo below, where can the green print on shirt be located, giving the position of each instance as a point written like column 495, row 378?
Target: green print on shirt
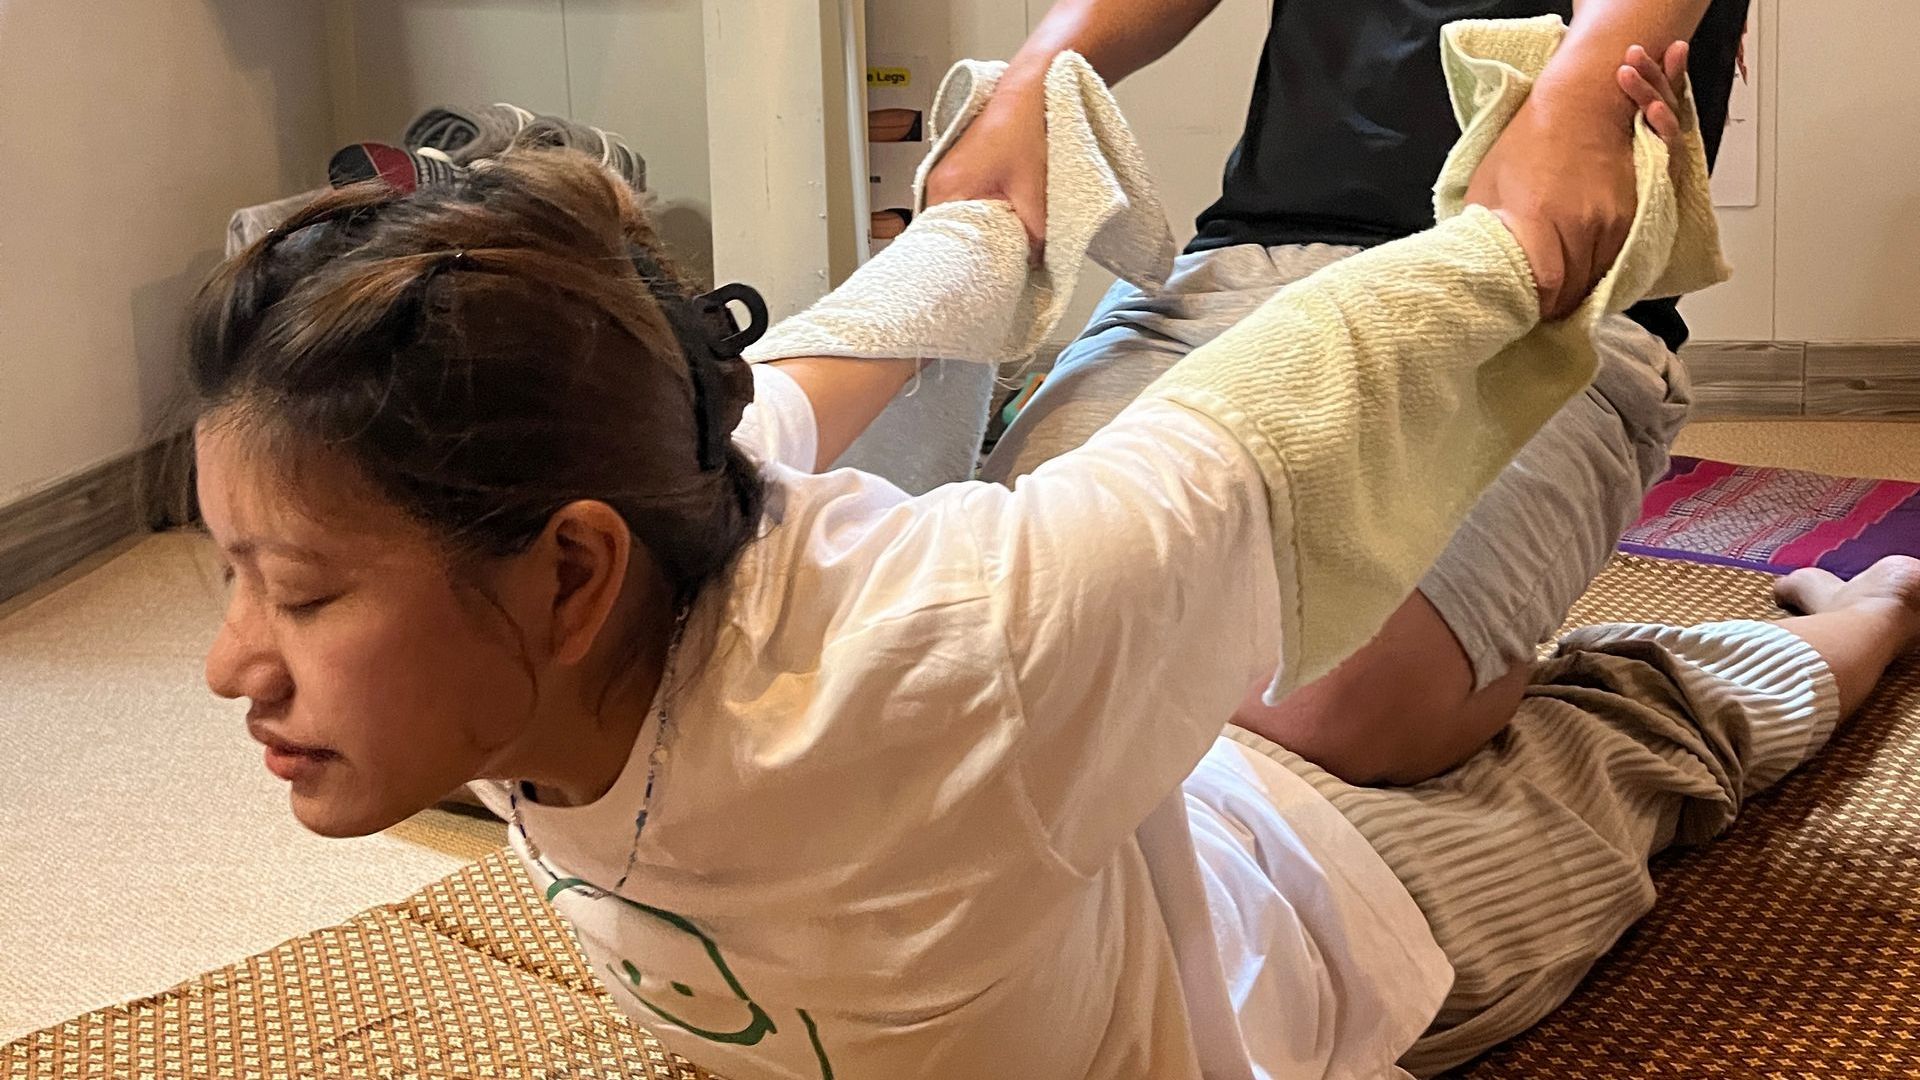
column 759, row 1025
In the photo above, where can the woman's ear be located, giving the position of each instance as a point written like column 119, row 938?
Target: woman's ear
column 589, row 549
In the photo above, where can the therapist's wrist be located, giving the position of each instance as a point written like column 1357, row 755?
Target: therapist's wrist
column 1023, row 84
column 1584, row 94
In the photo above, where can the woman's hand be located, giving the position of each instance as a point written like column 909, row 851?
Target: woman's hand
column 1656, row 89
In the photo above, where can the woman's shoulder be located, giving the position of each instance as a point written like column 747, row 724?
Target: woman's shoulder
column 838, row 624
column 840, row 549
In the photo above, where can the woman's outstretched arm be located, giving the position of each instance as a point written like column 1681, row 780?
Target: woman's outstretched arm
column 847, row 396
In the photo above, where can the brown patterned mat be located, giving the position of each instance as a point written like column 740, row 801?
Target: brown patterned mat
column 1789, row 949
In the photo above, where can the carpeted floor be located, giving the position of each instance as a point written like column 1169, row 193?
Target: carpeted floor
column 144, row 841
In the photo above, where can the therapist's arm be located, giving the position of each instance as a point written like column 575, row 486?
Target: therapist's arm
column 1562, row 174
column 1003, row 153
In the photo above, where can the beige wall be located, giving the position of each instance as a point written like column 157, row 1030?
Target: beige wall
column 1847, row 255
column 1830, row 252
column 131, row 129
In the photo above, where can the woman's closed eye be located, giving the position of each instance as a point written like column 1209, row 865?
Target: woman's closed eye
column 305, row 609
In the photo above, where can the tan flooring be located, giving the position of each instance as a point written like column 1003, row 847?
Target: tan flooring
column 141, row 841
column 144, row 843
column 1889, row 449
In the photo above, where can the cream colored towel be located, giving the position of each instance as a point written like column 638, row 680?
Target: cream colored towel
column 948, row 288
column 1382, row 394
column 953, row 289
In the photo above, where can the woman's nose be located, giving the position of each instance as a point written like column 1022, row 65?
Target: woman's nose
column 242, row 661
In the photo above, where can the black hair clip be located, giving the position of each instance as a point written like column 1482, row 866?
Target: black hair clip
column 713, row 360
column 736, row 339
column 712, row 341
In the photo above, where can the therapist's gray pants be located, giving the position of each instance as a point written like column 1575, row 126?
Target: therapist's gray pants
column 1529, row 548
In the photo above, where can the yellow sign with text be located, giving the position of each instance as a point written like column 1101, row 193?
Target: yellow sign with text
column 895, row 77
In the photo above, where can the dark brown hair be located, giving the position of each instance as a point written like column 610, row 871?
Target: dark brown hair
column 486, row 353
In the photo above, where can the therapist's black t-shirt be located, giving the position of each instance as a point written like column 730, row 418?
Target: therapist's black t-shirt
column 1350, row 123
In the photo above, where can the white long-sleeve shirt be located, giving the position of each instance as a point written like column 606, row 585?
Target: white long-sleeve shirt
column 944, row 793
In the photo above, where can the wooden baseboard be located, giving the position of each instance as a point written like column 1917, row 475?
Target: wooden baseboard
column 1863, row 380
column 1746, row 379
column 1751, row 380
column 51, row 530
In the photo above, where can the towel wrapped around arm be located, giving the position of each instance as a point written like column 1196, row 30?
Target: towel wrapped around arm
column 1381, row 395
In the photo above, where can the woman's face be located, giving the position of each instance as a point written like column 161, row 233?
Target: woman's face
column 377, row 683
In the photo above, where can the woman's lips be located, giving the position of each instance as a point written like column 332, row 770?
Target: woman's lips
column 289, row 761
column 294, row 766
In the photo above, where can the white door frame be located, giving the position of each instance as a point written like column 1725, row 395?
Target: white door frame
column 786, row 137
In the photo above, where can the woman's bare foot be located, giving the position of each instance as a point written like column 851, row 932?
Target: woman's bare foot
column 1858, row 626
column 1889, row 588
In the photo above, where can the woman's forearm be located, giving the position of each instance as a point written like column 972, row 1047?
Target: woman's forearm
column 1378, row 399
column 847, row 396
